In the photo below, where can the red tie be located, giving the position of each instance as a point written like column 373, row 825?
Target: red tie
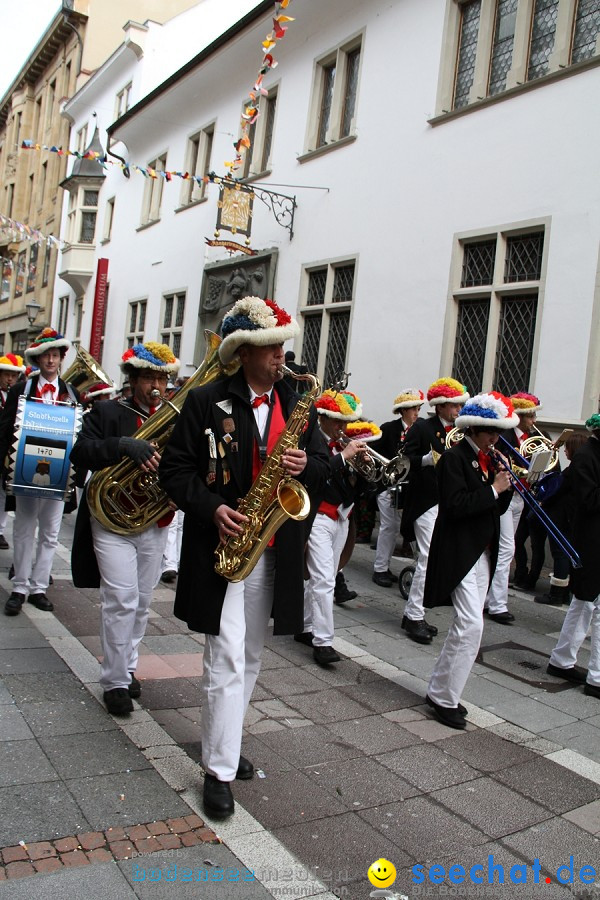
column 335, row 445
column 448, row 428
column 483, row 461
column 259, row 400
column 152, row 410
column 48, row 389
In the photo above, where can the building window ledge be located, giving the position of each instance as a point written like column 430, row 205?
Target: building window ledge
column 189, row 205
column 326, row 148
column 147, row 225
column 256, row 176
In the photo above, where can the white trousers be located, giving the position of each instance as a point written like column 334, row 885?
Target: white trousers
column 170, row 560
column 462, row 643
column 231, row 666
column 325, row 545
column 389, row 529
column 580, row 615
column 423, row 527
column 3, row 513
column 129, row 571
column 31, row 512
column 497, row 597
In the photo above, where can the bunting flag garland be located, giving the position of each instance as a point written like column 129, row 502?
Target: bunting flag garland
column 21, row 231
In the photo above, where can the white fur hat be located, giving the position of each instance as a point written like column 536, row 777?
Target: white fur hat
column 491, row 410
column 408, row 398
column 48, row 339
column 254, row 321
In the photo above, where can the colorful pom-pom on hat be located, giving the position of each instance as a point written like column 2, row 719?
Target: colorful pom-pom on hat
column 254, row 321
column 447, row 390
column 525, row 403
column 343, row 405
column 407, row 398
column 363, row 431
column 48, row 339
column 153, row 356
column 492, row 410
column 11, row 362
column 593, row 423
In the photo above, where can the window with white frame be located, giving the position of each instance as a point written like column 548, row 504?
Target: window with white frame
column 122, row 101
column 491, row 46
column 325, row 315
column 335, row 96
column 81, row 143
column 78, row 321
column 497, row 286
column 83, row 211
column 109, row 215
column 153, row 188
column 258, row 156
column 197, row 164
column 63, row 312
column 173, row 311
column 136, row 323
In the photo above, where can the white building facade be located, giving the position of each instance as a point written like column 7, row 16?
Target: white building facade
column 443, row 157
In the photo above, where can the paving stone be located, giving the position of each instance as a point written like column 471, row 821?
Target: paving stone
column 23, row 762
column 42, row 814
column 309, row 746
column 430, row 730
column 534, row 716
column 273, row 660
column 486, row 751
column 347, row 671
column 97, row 882
column 125, row 799
column 553, row 842
column 586, row 817
column 295, row 680
column 361, row 783
column 13, row 726
column 78, row 755
column 550, row 784
column 493, row 808
column 73, row 717
column 178, row 726
column 428, row 767
column 42, row 659
column 579, row 736
column 381, row 695
column 6, row 698
column 42, row 688
column 91, row 840
column 14, row 638
column 374, row 734
column 285, row 799
column 276, row 710
column 171, row 643
column 40, row 850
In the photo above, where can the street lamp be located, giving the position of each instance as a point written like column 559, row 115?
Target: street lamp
column 32, row 309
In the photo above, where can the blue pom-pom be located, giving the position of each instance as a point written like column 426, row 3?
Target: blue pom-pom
column 142, row 353
column 237, row 323
column 470, row 409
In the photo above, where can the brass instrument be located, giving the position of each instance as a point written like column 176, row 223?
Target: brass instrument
column 123, row 498
column 530, row 447
column 273, row 497
column 374, row 467
column 84, row 371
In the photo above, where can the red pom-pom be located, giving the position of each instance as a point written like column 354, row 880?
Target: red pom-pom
column 280, row 314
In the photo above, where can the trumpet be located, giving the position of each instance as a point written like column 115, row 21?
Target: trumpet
column 374, row 467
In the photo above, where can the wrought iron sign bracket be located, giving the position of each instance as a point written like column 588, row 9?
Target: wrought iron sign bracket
column 282, row 206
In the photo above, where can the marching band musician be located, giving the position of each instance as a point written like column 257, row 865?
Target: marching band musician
column 424, row 443
column 464, row 545
column 11, row 368
column 31, row 578
column 126, row 568
column 393, row 438
column 225, row 431
column 330, row 526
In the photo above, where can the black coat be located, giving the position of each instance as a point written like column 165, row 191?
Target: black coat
column 393, row 438
column 224, row 406
column 96, row 448
column 468, row 521
column 421, row 492
column 584, row 481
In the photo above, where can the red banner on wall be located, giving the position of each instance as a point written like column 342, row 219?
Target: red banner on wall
column 99, row 309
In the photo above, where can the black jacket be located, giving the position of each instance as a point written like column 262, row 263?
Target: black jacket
column 185, row 474
column 393, row 438
column 421, row 491
column 584, row 480
column 468, row 521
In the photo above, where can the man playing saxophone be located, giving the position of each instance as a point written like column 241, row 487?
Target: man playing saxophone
column 126, row 568
column 226, row 431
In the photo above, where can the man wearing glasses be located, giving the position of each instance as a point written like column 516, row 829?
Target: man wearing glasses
column 126, row 568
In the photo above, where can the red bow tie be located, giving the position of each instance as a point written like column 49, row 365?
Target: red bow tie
column 484, row 461
column 48, row 389
column 335, row 445
column 448, row 428
column 259, row 400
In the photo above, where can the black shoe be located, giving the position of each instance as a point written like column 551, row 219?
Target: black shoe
column 519, row 579
column 13, row 605
column 432, row 629
column 417, row 630
column 342, row 593
column 50, row 580
column 11, row 572
column 505, row 618
column 382, row 579
column 391, row 575
column 217, row 797
column 325, row 655
column 245, row 769
column 4, row 545
column 450, row 716
column 592, row 690
column 169, row 576
column 135, row 689
column 305, row 637
column 574, row 673
column 462, row 709
column 118, row 702
column 41, row 601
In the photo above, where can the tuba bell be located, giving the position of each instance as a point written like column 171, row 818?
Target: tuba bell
column 84, row 371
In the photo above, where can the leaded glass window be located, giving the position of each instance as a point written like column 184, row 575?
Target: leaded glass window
column 543, row 33
column 311, row 340
column 328, row 76
column 524, row 257
column 337, row 345
column 587, row 27
column 465, row 67
column 352, row 64
column 317, row 281
column 168, row 316
column 471, row 337
column 514, row 351
column 268, row 135
column 88, row 227
column 502, row 49
column 478, row 263
column 343, row 284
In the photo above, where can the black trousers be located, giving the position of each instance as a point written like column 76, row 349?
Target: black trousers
column 529, row 527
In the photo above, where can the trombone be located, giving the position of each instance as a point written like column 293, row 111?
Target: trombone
column 374, row 467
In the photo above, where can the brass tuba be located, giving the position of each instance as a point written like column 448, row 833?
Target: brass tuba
column 84, row 371
column 123, row 498
column 273, row 497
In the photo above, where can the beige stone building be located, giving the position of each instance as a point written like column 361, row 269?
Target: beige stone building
column 79, row 39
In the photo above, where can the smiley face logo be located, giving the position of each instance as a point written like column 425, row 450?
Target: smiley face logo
column 382, row 873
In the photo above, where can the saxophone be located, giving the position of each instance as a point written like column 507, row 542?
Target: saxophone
column 273, row 497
